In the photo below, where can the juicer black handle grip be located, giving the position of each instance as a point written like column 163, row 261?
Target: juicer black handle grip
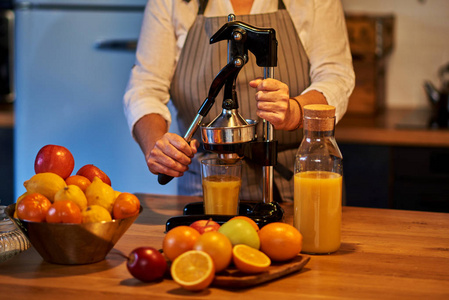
column 163, row 179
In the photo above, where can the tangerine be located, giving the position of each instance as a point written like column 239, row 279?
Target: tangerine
column 280, row 241
column 179, row 240
column 193, row 270
column 218, row 246
column 64, row 211
column 126, row 205
column 78, row 180
column 33, row 207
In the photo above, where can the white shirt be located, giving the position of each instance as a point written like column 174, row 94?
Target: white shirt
column 320, row 25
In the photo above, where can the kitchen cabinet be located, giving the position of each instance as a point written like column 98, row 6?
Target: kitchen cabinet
column 394, row 160
column 420, row 178
column 410, row 178
column 6, row 154
column 6, row 166
column 366, row 175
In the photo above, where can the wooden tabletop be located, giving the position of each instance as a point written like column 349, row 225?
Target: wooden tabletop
column 385, row 254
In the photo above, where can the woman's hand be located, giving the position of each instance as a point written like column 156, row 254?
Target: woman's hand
column 171, row 155
column 165, row 153
column 274, row 103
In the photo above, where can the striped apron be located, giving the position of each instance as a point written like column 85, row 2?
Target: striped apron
column 200, row 62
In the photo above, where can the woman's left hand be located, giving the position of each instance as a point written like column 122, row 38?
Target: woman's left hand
column 273, row 102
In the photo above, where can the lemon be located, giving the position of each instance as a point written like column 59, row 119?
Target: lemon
column 46, row 184
column 73, row 193
column 100, row 193
column 95, row 213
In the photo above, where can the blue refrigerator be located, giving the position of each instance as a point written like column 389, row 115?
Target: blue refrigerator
column 72, row 63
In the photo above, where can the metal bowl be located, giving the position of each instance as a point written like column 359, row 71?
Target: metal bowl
column 73, row 244
column 229, row 135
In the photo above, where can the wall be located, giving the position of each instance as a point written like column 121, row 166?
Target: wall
column 421, row 46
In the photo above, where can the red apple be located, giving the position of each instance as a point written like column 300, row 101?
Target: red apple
column 55, row 159
column 146, row 264
column 203, row 226
column 91, row 171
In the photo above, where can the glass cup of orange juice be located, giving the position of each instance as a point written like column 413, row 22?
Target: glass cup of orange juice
column 221, row 186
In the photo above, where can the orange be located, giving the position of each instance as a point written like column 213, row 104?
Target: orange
column 78, row 180
column 250, row 260
column 64, row 211
column 193, row 270
column 125, row 205
column 280, row 241
column 33, row 207
column 179, row 240
column 249, row 220
column 17, row 202
column 20, row 198
column 218, row 246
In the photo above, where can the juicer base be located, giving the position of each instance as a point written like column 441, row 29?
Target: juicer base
column 261, row 213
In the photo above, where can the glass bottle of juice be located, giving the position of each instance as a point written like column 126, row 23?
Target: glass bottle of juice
column 318, row 182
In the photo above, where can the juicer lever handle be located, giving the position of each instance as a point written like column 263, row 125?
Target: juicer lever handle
column 260, row 41
column 163, row 179
column 229, row 71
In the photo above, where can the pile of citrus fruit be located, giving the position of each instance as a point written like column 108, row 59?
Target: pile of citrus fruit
column 54, row 195
column 197, row 255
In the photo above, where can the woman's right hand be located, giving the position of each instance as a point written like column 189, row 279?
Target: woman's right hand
column 165, row 153
column 171, row 155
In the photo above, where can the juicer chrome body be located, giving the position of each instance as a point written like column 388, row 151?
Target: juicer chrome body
column 230, row 135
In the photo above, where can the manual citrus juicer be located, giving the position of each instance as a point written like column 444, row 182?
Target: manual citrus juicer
column 230, row 135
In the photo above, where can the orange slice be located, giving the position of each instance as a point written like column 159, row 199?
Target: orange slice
column 250, row 260
column 193, row 270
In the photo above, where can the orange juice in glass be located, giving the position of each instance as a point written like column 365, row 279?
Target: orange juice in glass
column 317, row 213
column 221, row 187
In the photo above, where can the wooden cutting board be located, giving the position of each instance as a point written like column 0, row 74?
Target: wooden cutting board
column 232, row 278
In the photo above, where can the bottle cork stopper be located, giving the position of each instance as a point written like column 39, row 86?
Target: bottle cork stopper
column 319, row 117
column 319, row 111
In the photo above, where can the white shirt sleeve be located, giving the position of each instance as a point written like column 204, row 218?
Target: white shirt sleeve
column 163, row 32
column 320, row 25
column 322, row 30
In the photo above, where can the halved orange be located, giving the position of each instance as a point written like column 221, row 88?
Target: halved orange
column 193, row 270
column 250, row 260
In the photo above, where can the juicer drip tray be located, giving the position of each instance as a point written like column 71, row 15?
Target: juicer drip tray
column 261, row 213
